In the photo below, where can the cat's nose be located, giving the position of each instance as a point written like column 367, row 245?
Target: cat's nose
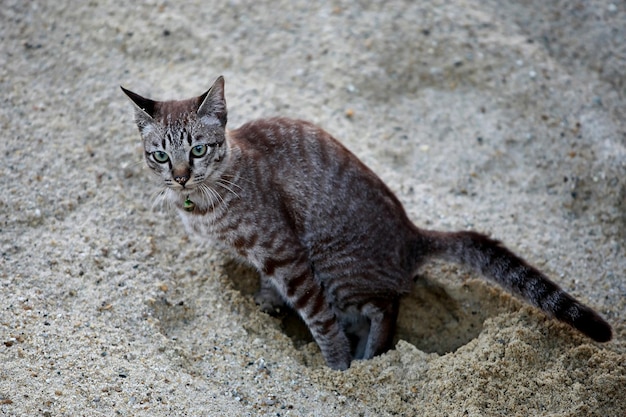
column 181, row 175
column 182, row 179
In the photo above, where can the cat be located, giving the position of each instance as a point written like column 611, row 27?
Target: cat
column 326, row 235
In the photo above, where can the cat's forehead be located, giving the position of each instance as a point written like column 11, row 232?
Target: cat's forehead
column 176, row 111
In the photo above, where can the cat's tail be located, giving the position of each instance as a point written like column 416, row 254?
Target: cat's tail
column 498, row 263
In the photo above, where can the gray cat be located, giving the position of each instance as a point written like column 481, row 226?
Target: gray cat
column 325, row 233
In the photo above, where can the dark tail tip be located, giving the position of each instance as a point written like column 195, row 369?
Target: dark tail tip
column 594, row 326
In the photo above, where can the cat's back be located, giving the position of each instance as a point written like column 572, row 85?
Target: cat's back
column 296, row 147
column 316, row 176
column 281, row 136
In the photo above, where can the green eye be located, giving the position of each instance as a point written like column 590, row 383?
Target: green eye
column 198, row 151
column 160, row 156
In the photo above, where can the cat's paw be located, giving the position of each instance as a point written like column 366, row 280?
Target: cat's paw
column 269, row 301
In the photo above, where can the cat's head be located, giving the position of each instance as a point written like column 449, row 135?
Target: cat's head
column 184, row 141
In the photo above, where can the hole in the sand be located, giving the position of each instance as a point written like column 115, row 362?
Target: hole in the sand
column 433, row 317
column 440, row 318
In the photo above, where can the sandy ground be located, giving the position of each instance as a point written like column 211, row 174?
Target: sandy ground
column 504, row 117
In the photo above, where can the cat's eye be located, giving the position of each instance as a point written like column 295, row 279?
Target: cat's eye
column 160, row 156
column 198, row 151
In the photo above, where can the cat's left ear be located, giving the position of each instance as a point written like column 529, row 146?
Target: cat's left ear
column 144, row 109
column 213, row 103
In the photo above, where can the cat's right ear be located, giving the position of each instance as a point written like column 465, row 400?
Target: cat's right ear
column 144, row 109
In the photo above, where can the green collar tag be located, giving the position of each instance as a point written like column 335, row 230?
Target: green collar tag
column 188, row 205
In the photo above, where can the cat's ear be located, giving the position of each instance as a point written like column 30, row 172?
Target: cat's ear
column 212, row 103
column 144, row 109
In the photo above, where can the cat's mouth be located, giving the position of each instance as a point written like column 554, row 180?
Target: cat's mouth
column 181, row 186
column 188, row 192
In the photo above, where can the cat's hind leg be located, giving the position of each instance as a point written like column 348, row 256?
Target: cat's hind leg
column 383, row 316
column 357, row 328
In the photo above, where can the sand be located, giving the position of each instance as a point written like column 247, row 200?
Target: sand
column 503, row 117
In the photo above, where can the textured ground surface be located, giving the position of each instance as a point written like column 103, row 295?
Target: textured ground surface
column 505, row 117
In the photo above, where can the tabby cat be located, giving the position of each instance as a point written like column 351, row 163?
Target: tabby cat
column 327, row 236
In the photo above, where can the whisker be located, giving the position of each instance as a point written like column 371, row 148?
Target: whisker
column 209, row 194
column 238, row 179
column 159, row 198
column 230, row 183
column 138, row 162
column 202, row 192
column 220, row 183
column 216, row 194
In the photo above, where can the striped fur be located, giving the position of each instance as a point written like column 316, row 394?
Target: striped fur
column 324, row 232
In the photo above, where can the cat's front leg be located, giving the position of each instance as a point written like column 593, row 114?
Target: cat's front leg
column 294, row 280
column 267, row 298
